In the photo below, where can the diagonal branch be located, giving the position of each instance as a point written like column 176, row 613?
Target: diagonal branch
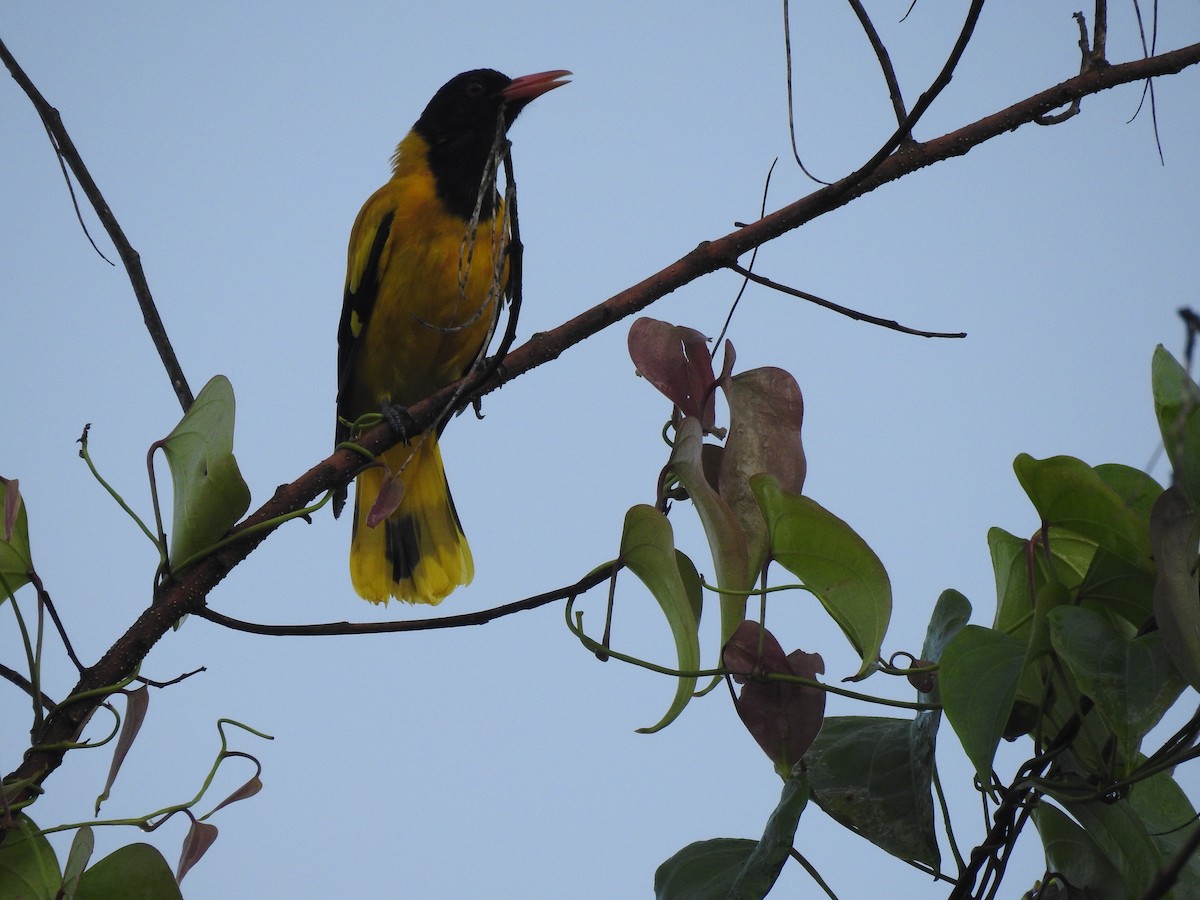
column 65, row 148
column 188, row 594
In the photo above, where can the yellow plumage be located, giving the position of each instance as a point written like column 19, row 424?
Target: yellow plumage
column 434, row 306
column 423, row 288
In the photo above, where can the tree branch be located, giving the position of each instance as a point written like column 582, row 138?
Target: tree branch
column 65, row 148
column 482, row 617
column 187, row 594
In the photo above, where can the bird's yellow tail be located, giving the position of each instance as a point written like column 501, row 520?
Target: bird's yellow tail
column 418, row 553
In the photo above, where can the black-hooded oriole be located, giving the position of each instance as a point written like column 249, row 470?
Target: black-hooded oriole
column 423, row 287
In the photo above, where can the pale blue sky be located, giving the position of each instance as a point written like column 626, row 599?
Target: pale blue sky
column 236, row 142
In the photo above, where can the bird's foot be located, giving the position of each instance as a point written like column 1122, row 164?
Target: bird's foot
column 398, row 420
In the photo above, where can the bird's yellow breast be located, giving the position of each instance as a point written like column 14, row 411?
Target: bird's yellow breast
column 439, row 287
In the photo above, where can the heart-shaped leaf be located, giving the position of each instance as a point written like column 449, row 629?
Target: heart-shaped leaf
column 136, row 870
column 833, row 562
column 1069, row 494
column 28, row 866
column 210, row 494
column 867, row 774
column 979, row 674
column 784, row 717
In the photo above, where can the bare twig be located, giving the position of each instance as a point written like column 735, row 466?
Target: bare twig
column 16, row 678
column 762, row 211
column 1148, row 88
column 65, row 148
column 481, row 617
column 1165, row 878
column 885, row 62
column 787, row 52
column 903, row 133
column 44, row 599
column 837, row 308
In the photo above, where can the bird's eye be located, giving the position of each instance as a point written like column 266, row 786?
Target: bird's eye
column 474, row 89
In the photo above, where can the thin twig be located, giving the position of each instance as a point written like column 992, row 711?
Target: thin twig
column 65, row 148
column 1148, row 88
column 787, row 52
column 903, row 132
column 44, row 599
column 837, row 308
column 762, row 211
column 15, row 677
column 1166, row 877
column 885, row 62
column 473, row 618
column 812, row 873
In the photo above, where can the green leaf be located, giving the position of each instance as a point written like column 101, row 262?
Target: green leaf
column 1177, row 406
column 726, row 540
column 736, row 868
column 873, row 775
column 210, row 494
column 1071, row 555
column 28, row 866
column 16, row 562
column 134, row 872
column 1123, row 837
column 762, row 867
column 950, row 615
column 979, row 675
column 77, row 859
column 1075, row 856
column 951, row 612
column 648, row 550
column 1135, row 488
column 1113, row 585
column 1129, row 678
column 1050, row 597
column 705, row 870
column 1170, row 821
column 833, row 562
column 766, row 411
column 1069, row 494
column 1014, row 604
column 1175, row 535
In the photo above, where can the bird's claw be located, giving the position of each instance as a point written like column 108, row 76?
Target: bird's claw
column 398, row 420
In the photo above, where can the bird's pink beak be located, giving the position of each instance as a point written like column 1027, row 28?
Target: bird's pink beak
column 527, row 87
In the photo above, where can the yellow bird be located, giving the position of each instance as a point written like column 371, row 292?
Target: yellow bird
column 423, row 288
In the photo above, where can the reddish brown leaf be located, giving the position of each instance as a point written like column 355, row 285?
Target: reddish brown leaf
column 136, row 704
column 766, row 411
column 247, row 790
column 922, row 681
column 676, row 360
column 750, row 650
column 784, row 718
column 199, row 838
column 391, row 492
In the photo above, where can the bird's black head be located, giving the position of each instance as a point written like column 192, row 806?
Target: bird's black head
column 460, row 123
